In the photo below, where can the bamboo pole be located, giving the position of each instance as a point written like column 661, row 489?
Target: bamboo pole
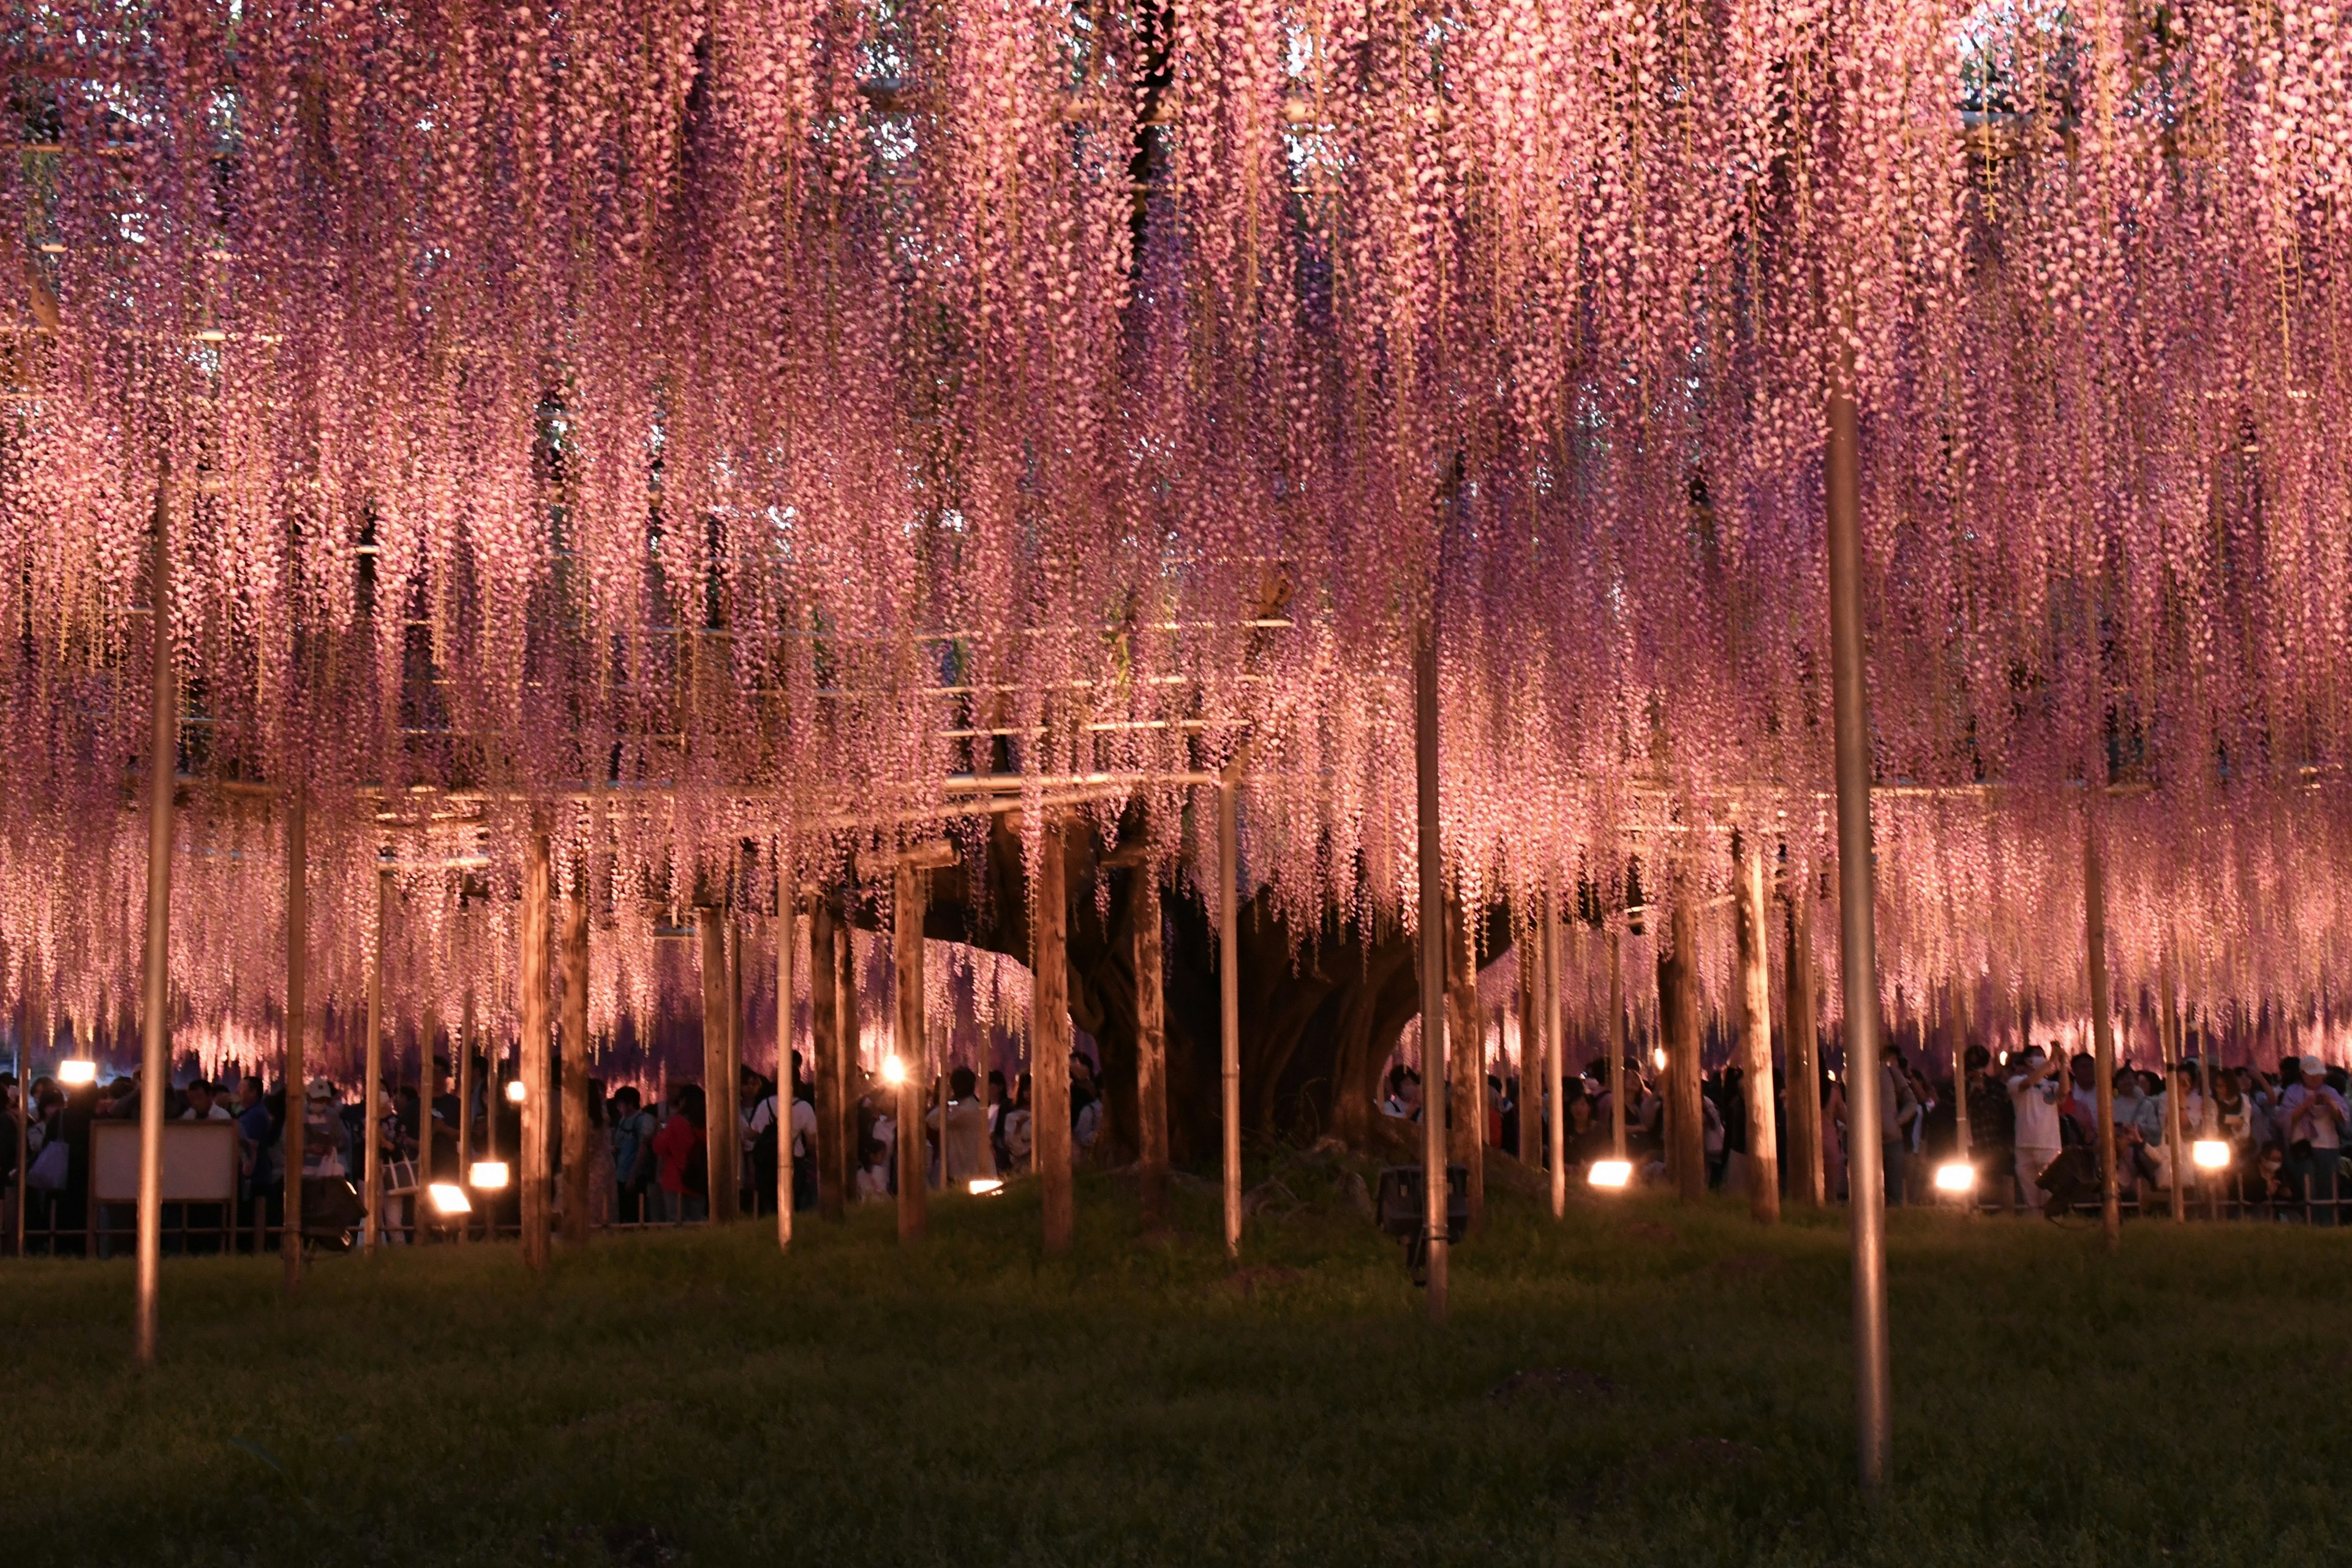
column 531, row 1160
column 906, row 892
column 1151, row 1048
column 1756, row 1039
column 2176, row 1151
column 1526, row 1106
column 1429, row 868
column 787, row 1081
column 1555, row 1062
column 1678, row 1032
column 1049, row 1036
column 825, row 1053
column 1616, row 1045
column 2102, row 1039
column 155, row 1055
column 464, row 1048
column 732, row 1082
column 718, row 1143
column 23, row 1126
column 572, row 977
column 1229, row 1000
column 1858, row 910
column 371, row 1088
column 427, row 1081
column 1800, row 1042
column 847, row 1062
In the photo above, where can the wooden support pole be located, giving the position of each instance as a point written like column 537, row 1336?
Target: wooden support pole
column 291, row 1082
column 1430, row 871
column 1963, row 1139
column 1756, row 1038
column 1555, row 1062
column 787, row 1082
column 1526, row 1106
column 732, row 1096
column 463, row 1049
column 1678, row 1032
column 426, row 1082
column 1049, row 1038
column 906, row 897
column 2102, row 1039
column 1466, row 1050
column 719, row 1122
column 572, row 974
column 1616, row 1044
column 24, row 1127
column 531, row 1160
column 1150, row 1047
column 827, row 1050
column 155, row 1034
column 371, row 1083
column 1800, row 1042
column 1229, row 1001
column 847, row 1062
column 2176, row 1151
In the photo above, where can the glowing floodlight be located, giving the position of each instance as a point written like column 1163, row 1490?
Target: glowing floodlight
column 894, row 1071
column 985, row 1186
column 1658, row 1057
column 2210, row 1154
column 77, row 1072
column 515, row 1092
column 488, row 1175
column 449, row 1197
column 1610, row 1173
column 1956, row 1176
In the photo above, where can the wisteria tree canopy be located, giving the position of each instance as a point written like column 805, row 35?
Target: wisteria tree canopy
column 759, row 428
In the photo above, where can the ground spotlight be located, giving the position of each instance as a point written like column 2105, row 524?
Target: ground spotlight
column 2210, row 1154
column 1611, row 1173
column 515, row 1092
column 985, row 1186
column 894, row 1071
column 1956, row 1176
column 77, row 1071
column 488, row 1175
column 449, row 1197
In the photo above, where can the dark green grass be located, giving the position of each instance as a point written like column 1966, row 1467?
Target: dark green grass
column 697, row 1398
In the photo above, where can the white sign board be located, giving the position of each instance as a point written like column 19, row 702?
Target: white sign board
column 199, row 1161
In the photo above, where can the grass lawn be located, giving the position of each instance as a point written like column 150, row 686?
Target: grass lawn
column 1642, row 1383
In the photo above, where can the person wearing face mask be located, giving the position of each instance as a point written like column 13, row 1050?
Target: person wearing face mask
column 2312, row 1118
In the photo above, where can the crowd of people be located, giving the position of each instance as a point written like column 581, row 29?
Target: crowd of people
column 649, row 1156
column 2275, row 1141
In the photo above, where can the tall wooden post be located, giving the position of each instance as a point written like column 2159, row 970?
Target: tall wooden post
column 1617, row 1085
column 846, row 1060
column 291, row 1081
column 718, row 1122
column 1555, row 1062
column 906, row 899
column 1858, row 913
column 426, row 1082
column 1678, row 1032
column 2176, row 1151
column 24, row 1131
column 825, row 1063
column 531, row 1160
column 2102, row 1039
column 732, row 1097
column 1430, row 869
column 462, row 1048
column 1957, row 990
column 1526, row 1106
column 372, row 1090
column 1807, row 1176
column 1049, row 1038
column 1465, row 1052
column 787, row 1082
column 1756, row 1039
column 572, row 971
column 1150, row 1047
column 1229, row 1001
column 155, row 1035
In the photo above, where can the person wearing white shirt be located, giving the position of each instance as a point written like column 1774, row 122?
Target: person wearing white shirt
column 2034, row 1092
column 2313, row 1116
column 202, row 1106
column 967, row 1150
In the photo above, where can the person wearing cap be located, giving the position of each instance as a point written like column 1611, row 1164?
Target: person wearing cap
column 2314, row 1116
column 2033, row 1096
column 326, row 1141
